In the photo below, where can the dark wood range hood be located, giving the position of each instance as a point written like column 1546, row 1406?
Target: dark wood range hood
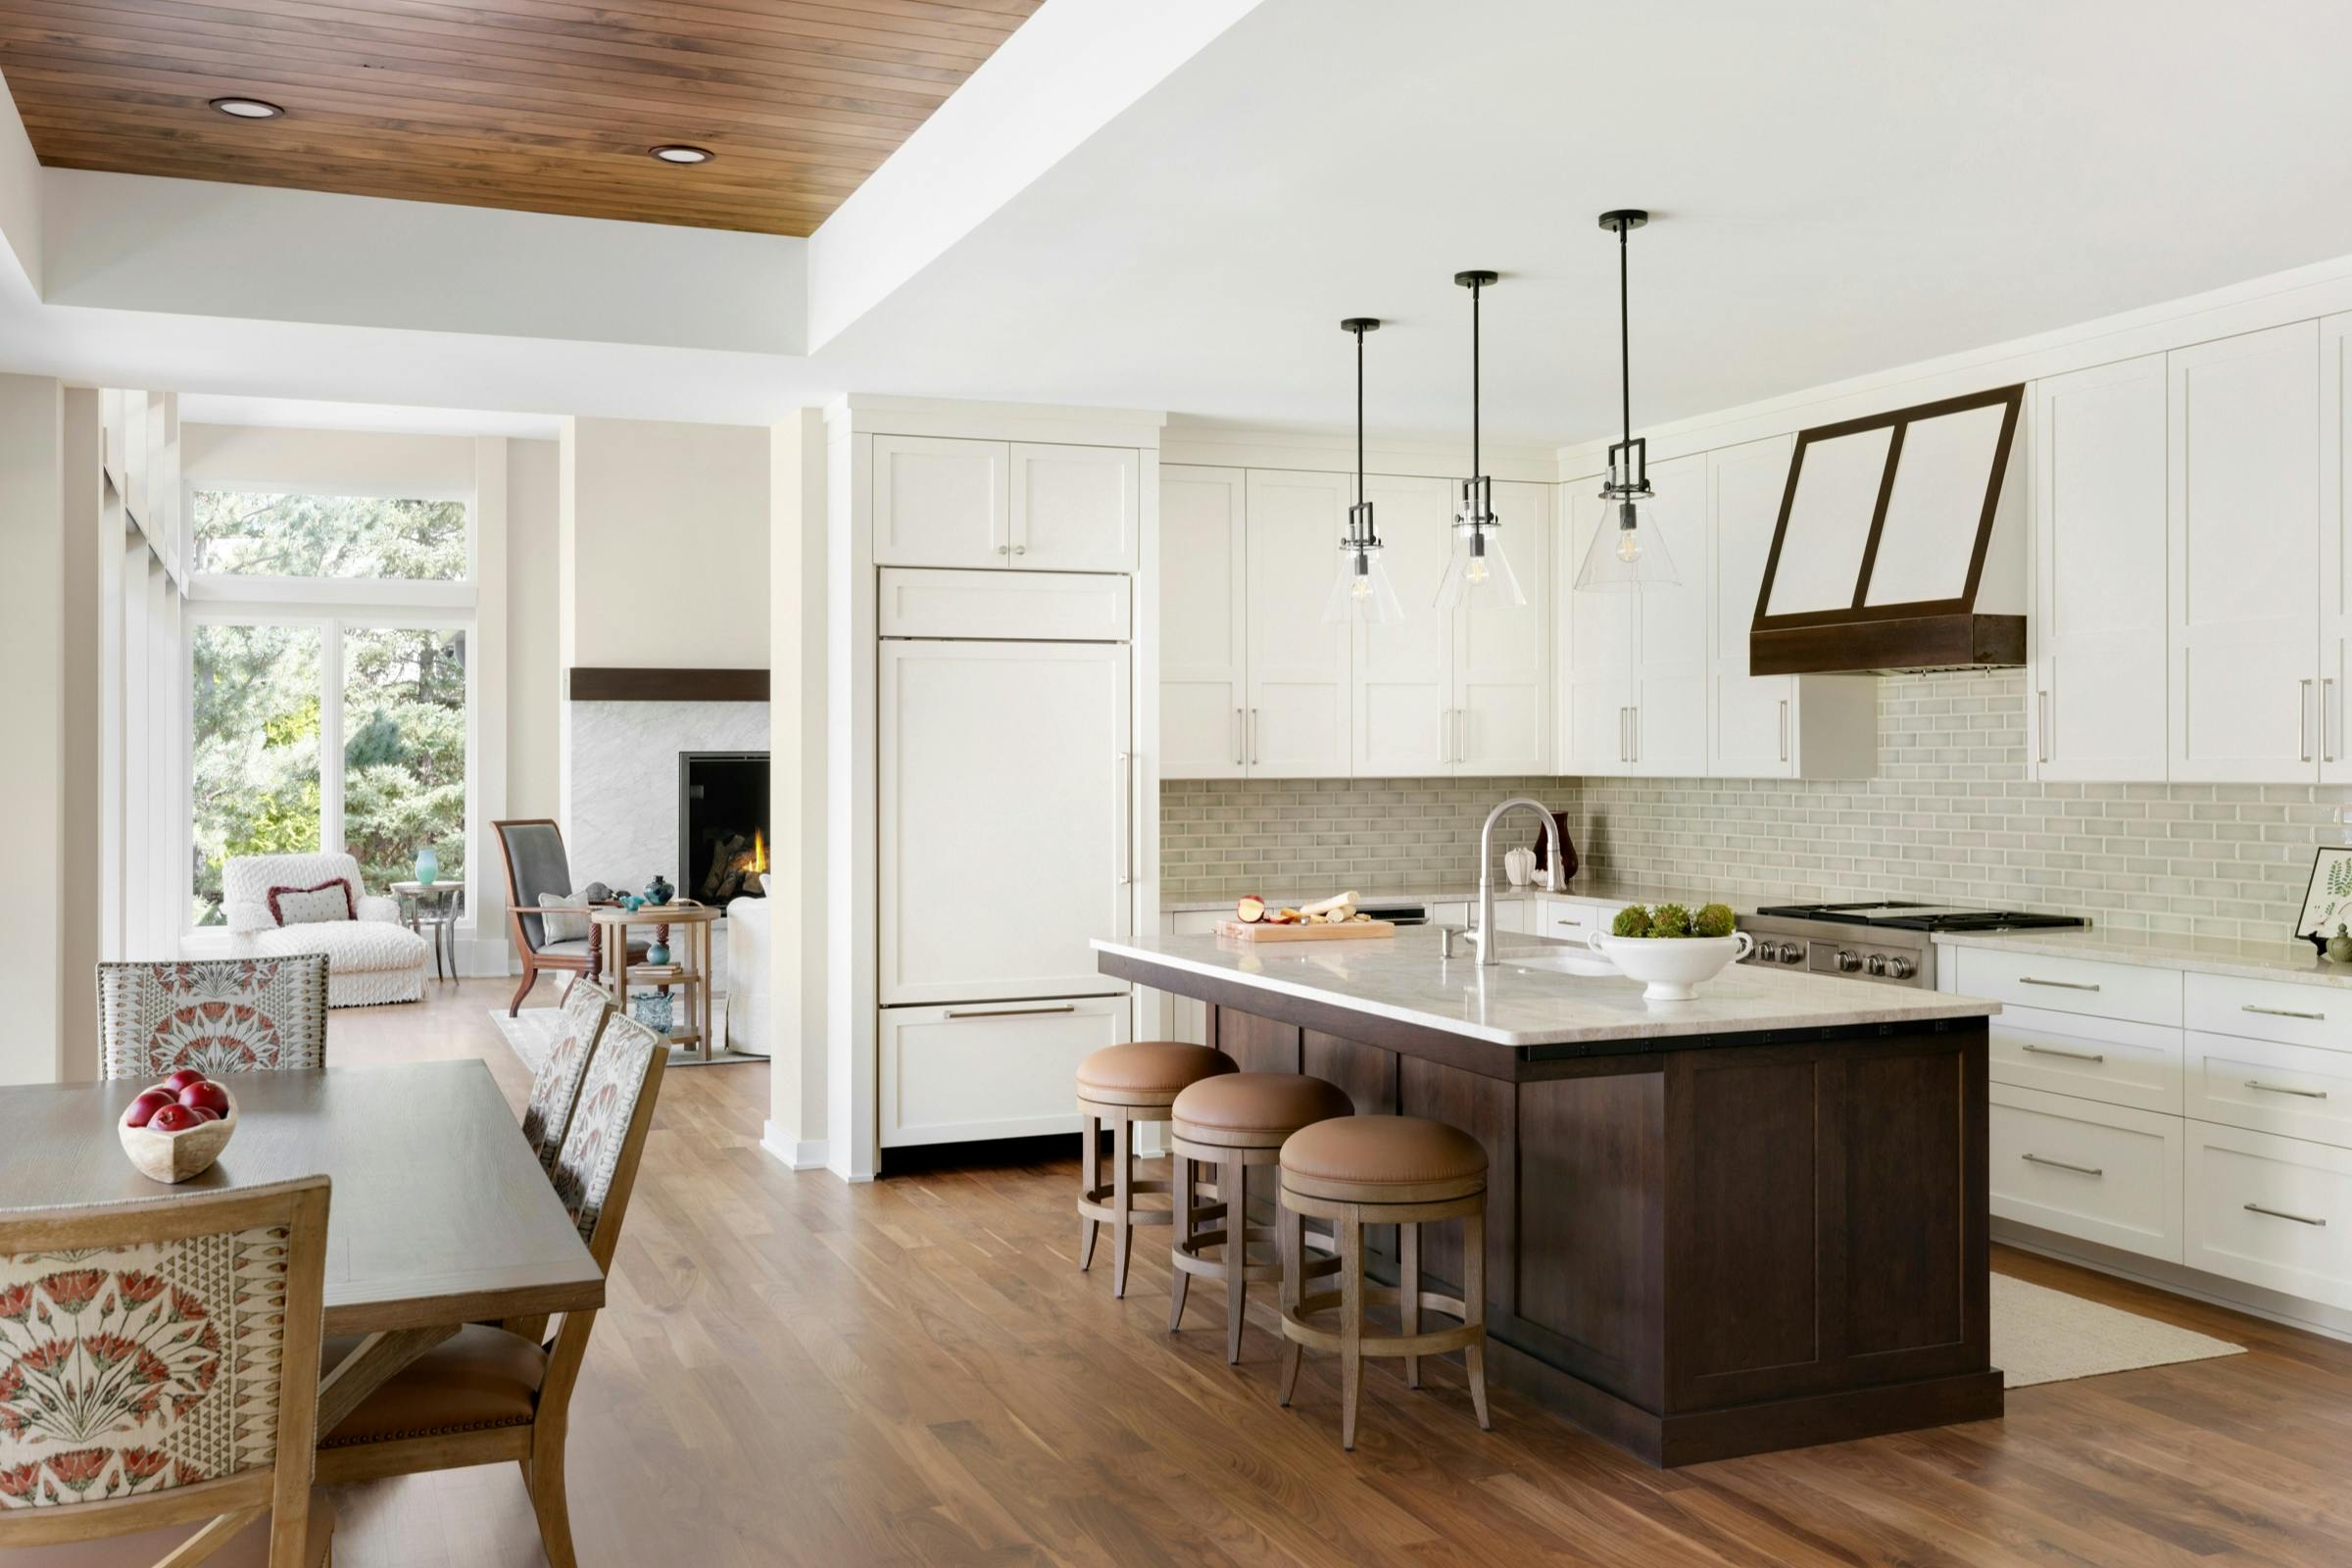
column 1901, row 545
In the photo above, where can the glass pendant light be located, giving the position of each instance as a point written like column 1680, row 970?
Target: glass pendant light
column 1477, row 574
column 1361, row 590
column 1628, row 551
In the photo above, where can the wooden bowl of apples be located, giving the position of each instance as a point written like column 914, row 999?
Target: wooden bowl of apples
column 177, row 1129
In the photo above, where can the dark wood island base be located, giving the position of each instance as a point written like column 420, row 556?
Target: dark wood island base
column 1703, row 1246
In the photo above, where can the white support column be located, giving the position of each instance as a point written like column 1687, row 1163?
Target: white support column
column 32, row 645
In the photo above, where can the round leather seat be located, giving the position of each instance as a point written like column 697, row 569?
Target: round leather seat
column 1148, row 1072
column 1382, row 1159
column 1254, row 1109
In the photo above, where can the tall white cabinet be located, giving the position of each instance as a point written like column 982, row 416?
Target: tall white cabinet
column 1204, row 623
column 1635, row 665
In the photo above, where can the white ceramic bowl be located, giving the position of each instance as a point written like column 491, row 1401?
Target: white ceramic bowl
column 1671, row 968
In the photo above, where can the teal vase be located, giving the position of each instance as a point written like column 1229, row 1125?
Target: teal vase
column 429, row 865
column 658, row 952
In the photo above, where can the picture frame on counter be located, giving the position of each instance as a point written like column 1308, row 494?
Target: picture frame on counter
column 2327, row 897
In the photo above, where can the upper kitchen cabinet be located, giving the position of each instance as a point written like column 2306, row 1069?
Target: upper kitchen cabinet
column 1203, row 624
column 2243, row 493
column 1403, row 688
column 2099, row 709
column 1595, row 683
column 946, row 502
column 1298, row 722
column 2336, row 548
column 1634, row 678
column 1769, row 726
column 1501, row 701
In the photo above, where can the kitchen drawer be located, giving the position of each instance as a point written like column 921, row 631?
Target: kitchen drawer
column 2269, row 1010
column 2270, row 1211
column 1449, row 913
column 2294, row 1091
column 994, row 1069
column 2072, row 985
column 1022, row 606
column 1197, row 922
column 2108, row 1059
column 2105, row 1173
column 1566, row 917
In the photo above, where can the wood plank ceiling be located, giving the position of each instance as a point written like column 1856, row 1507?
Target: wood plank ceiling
column 537, row 105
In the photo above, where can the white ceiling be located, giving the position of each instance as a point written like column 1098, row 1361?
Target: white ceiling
column 1838, row 188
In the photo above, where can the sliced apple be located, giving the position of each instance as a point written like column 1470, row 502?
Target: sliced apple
column 1250, row 910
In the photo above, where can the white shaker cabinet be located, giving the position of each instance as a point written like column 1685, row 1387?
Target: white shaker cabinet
column 939, row 502
column 1670, row 648
column 2243, row 495
column 1502, row 700
column 2098, row 708
column 992, row 1070
column 1072, row 507
column 1594, row 733
column 1203, row 624
column 2336, row 550
column 1298, row 722
column 1403, row 687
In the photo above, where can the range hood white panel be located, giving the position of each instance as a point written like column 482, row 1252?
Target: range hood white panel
column 1829, row 523
column 1931, row 513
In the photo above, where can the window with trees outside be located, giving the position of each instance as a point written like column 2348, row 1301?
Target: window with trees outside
column 331, row 686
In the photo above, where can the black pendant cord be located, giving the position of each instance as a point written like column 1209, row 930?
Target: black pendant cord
column 1475, row 469
column 1359, row 417
column 1624, row 351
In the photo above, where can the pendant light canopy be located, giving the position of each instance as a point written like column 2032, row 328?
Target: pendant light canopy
column 1477, row 574
column 1628, row 551
column 1361, row 590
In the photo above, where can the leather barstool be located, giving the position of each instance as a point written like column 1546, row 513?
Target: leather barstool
column 1119, row 1086
column 1357, row 1171
column 1236, row 1121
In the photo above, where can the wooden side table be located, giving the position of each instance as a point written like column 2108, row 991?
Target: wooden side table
column 438, row 905
column 689, row 968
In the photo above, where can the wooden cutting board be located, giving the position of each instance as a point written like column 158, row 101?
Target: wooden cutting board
column 1348, row 931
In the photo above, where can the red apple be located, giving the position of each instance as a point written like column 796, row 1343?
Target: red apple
column 144, row 1108
column 175, row 1118
column 203, row 1114
column 205, row 1095
column 182, row 1078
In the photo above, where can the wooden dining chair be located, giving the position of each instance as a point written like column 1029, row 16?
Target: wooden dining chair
column 159, row 1382
column 556, row 1086
column 216, row 1015
column 491, row 1394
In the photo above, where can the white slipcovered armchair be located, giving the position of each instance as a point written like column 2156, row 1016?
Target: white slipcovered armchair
column 747, row 987
column 369, row 961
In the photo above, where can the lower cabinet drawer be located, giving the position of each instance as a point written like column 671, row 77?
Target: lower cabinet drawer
column 2270, row 1211
column 2294, row 1091
column 2104, row 1173
column 2108, row 1059
column 993, row 1070
column 2268, row 1010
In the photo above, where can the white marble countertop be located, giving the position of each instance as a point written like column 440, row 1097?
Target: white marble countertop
column 1582, row 887
column 2259, row 960
column 1403, row 978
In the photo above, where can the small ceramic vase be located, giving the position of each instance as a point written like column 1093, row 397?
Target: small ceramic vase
column 631, row 902
column 2340, row 946
column 658, row 952
column 429, row 865
column 659, row 892
column 1519, row 865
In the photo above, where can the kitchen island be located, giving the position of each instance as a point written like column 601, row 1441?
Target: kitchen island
column 1749, row 1222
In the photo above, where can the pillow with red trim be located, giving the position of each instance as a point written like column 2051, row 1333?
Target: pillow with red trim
column 329, row 900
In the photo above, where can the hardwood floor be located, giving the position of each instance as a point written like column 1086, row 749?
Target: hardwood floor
column 796, row 1371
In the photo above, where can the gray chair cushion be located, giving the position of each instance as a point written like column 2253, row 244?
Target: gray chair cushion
column 577, row 948
column 535, row 852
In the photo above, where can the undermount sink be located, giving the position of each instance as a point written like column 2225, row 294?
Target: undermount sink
column 1527, row 949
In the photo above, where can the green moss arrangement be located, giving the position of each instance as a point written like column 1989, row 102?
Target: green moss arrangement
column 1713, row 920
column 1670, row 921
column 1632, row 921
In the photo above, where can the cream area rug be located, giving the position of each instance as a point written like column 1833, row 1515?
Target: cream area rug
column 528, row 1033
column 2046, row 1336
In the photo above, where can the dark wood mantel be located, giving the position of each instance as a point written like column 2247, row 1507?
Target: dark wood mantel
column 609, row 684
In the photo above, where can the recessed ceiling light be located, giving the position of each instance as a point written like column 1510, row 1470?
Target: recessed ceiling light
column 680, row 153
column 248, row 108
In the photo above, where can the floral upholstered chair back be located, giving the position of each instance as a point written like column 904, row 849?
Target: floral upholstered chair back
column 556, row 1087
column 609, row 1124
column 214, row 1015
column 162, row 1346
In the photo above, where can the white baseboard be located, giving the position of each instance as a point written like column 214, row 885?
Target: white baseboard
column 2212, row 1289
column 799, row 1153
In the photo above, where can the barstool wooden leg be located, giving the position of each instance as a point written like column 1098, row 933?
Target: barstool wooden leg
column 1352, row 1324
column 1090, row 1177
column 1233, row 1184
column 1181, row 1203
column 1291, row 1228
column 1408, row 1294
column 1122, row 1201
column 1473, row 1310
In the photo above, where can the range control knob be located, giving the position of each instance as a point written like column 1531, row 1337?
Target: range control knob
column 1791, row 953
column 1847, row 963
column 1877, row 965
column 1900, row 969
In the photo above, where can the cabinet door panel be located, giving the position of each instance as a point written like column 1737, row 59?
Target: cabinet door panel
column 2271, row 1212
column 2335, row 559
column 1503, row 657
column 1670, row 662
column 1299, row 668
column 1403, row 669
column 1001, row 767
column 1753, row 732
column 2244, row 530
column 953, row 1074
column 1204, row 622
column 1596, row 650
column 939, row 502
column 1073, row 508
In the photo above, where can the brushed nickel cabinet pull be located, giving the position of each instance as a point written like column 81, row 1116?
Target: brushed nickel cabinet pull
column 2285, row 1012
column 2280, row 1213
column 2058, row 985
column 1126, row 820
column 2286, row 1089
column 1784, row 729
column 2041, row 723
column 1257, row 734
column 2071, row 1056
column 1636, row 710
column 1011, row 1012
column 2327, row 719
column 2060, row 1164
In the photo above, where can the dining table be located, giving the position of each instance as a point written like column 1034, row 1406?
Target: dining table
column 439, row 1213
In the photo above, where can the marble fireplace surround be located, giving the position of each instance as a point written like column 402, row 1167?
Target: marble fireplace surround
column 620, row 774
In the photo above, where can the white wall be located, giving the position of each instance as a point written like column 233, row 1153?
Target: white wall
column 797, row 893
column 19, row 196
column 534, row 655
column 33, row 540
column 349, row 462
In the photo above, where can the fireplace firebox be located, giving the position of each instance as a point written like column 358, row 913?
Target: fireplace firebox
column 722, row 825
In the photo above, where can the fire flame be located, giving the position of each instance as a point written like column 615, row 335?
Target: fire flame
column 759, row 851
